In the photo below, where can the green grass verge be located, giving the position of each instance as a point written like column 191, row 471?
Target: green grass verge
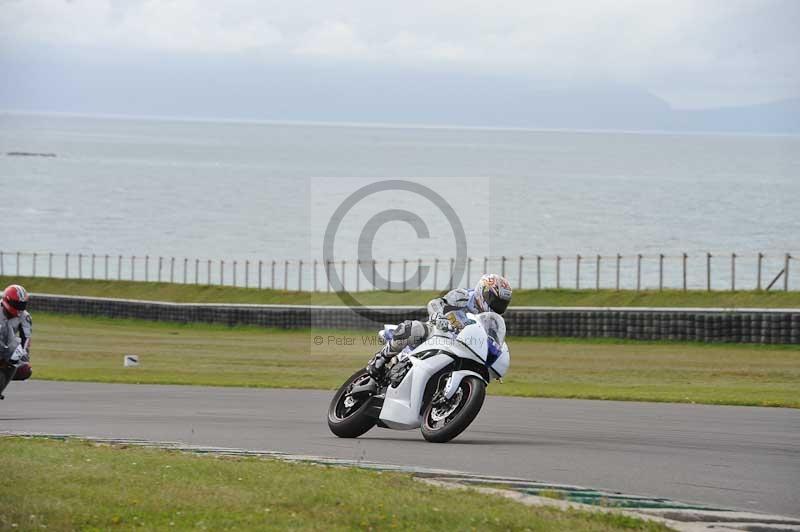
column 560, row 298
column 73, row 485
column 92, row 349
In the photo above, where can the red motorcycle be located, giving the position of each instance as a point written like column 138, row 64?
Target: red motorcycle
column 13, row 370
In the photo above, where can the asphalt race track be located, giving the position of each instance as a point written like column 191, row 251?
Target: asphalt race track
column 731, row 457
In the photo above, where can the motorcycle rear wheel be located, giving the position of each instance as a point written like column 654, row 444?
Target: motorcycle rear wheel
column 444, row 420
column 350, row 422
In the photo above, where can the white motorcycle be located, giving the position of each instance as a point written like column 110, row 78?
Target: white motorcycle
column 439, row 386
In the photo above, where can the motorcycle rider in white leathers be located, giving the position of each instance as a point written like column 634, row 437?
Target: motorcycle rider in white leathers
column 447, row 313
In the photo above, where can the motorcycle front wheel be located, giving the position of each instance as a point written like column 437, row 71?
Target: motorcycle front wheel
column 445, row 419
column 347, row 415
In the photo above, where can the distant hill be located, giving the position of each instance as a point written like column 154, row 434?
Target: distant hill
column 775, row 117
column 218, row 87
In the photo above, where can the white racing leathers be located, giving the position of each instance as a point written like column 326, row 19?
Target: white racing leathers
column 451, row 309
column 14, row 333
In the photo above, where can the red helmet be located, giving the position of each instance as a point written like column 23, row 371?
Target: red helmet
column 15, row 299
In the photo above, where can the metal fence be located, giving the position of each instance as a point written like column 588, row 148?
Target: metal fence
column 708, row 271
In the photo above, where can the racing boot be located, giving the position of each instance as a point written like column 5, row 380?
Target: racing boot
column 377, row 366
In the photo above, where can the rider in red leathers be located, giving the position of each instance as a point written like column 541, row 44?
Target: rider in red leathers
column 15, row 330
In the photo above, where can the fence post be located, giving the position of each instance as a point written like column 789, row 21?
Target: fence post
column 49, row 264
column 66, row 265
column 300, row 275
column 80, row 265
column 327, row 276
column 172, row 269
column 185, row 268
column 558, row 272
column 33, row 266
column 435, row 273
column 261, row 264
column 503, row 266
column 685, row 257
column 314, row 275
column 160, row 267
column 1, row 263
column 105, row 266
column 519, row 274
column 733, row 272
column 119, row 267
column 577, row 272
column 272, row 277
column 92, row 267
column 619, row 260
column 234, row 273
column 786, row 272
column 389, row 276
column 485, row 265
column 247, row 273
column 452, row 271
column 286, row 276
column 221, row 272
column 758, row 276
column 358, row 275
column 638, row 272
column 133, row 267
column 708, row 272
column 405, row 262
column 419, row 269
column 469, row 267
column 17, row 272
column 660, row 272
column 208, row 272
column 538, row 272
column 597, row 274
column 147, row 268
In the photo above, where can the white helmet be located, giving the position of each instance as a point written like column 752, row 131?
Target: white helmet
column 493, row 292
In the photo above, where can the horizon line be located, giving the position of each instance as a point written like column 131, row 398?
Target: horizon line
column 381, row 125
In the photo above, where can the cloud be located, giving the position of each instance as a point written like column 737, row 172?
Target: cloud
column 173, row 25
column 332, row 39
column 729, row 51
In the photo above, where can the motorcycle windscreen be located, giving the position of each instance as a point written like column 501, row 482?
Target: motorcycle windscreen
column 494, row 325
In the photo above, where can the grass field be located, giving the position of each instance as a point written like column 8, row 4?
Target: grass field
column 227, row 294
column 74, row 485
column 92, row 349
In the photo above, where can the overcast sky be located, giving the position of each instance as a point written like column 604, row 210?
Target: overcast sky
column 691, row 53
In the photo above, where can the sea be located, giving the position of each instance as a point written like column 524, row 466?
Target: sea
column 194, row 191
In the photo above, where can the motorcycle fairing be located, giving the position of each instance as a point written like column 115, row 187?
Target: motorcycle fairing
column 402, row 405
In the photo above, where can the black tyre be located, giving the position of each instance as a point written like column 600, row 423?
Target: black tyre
column 3, row 381
column 443, row 420
column 351, row 420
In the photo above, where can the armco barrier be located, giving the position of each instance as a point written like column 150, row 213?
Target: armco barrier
column 765, row 326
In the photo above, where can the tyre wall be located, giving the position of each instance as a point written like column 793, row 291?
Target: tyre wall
column 764, row 326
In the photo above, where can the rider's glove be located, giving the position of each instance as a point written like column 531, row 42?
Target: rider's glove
column 442, row 323
column 19, row 354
